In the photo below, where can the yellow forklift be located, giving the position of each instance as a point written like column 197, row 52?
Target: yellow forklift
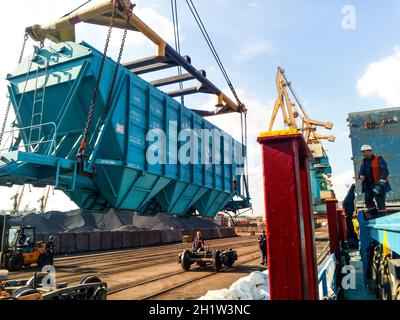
column 19, row 247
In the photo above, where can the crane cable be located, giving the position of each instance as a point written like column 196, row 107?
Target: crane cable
column 175, row 21
column 76, row 9
column 214, row 52
column 299, row 104
column 242, row 109
column 296, row 97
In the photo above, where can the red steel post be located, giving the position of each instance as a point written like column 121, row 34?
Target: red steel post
column 333, row 226
column 342, row 226
column 289, row 221
column 335, row 237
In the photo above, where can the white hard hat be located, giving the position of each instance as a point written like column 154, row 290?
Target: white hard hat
column 366, row 147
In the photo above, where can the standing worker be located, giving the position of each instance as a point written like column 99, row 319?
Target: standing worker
column 262, row 244
column 374, row 175
column 349, row 209
column 50, row 250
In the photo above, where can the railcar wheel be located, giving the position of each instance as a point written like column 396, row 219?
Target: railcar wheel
column 376, row 275
column 396, row 295
column 217, row 261
column 385, row 286
column 100, row 294
column 185, row 260
column 89, row 280
column 16, row 262
column 26, row 293
column 229, row 258
column 229, row 262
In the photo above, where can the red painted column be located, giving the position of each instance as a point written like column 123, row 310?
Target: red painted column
column 309, row 234
column 335, row 235
column 342, row 226
column 289, row 224
column 333, row 226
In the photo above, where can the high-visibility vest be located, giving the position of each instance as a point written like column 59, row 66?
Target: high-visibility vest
column 376, row 171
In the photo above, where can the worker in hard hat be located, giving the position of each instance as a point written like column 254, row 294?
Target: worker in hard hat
column 374, row 174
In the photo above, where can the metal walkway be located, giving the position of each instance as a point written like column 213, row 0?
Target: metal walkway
column 361, row 292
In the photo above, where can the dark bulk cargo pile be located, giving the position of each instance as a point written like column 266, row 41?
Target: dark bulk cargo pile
column 112, row 220
column 116, row 229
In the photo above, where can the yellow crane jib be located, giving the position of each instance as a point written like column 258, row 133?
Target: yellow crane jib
column 44, row 198
column 292, row 112
column 17, row 199
column 63, row 30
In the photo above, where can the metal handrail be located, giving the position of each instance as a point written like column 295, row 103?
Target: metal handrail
column 33, row 146
column 322, row 278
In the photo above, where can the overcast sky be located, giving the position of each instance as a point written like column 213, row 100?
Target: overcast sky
column 336, row 65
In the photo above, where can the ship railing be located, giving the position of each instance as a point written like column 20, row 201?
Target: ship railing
column 18, row 139
column 326, row 278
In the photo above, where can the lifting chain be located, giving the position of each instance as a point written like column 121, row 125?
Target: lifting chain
column 3, row 127
column 121, row 51
column 97, row 86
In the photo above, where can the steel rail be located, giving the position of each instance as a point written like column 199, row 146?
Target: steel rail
column 137, row 284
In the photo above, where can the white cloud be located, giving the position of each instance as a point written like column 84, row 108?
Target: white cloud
column 254, row 4
column 342, row 182
column 30, row 199
column 382, row 79
column 251, row 49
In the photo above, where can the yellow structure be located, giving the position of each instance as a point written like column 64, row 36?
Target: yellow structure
column 291, row 112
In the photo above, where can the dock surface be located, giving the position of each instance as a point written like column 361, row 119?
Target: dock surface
column 154, row 272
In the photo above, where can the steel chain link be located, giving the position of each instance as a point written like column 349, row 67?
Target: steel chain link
column 21, row 56
column 97, row 86
column 121, row 51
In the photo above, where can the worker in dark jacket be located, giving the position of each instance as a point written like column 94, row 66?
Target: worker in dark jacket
column 198, row 243
column 50, row 248
column 374, row 174
column 349, row 210
column 262, row 244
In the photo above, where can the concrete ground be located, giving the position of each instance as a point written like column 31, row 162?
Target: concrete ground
column 154, row 272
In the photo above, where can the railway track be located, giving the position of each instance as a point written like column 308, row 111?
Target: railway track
column 108, row 263
column 181, row 289
column 254, row 254
column 128, row 265
column 153, row 272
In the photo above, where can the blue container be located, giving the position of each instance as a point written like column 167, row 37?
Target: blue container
column 51, row 92
column 381, row 130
